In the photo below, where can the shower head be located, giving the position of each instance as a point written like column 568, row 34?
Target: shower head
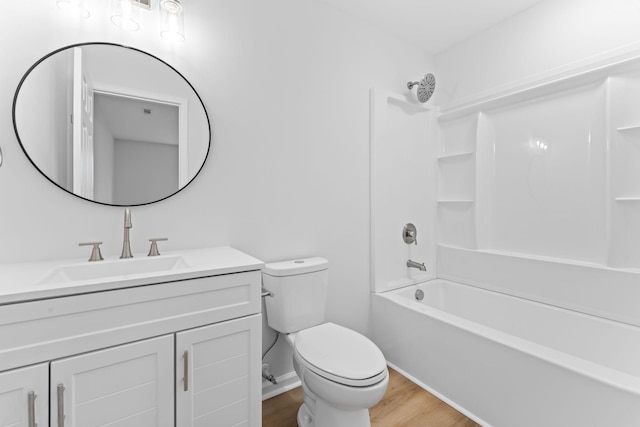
column 426, row 86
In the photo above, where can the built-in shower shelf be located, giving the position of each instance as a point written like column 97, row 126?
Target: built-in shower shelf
column 629, row 128
column 628, row 199
column 457, row 155
column 457, row 201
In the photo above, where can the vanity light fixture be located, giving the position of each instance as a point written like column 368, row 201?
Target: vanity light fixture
column 171, row 20
column 124, row 14
column 78, row 7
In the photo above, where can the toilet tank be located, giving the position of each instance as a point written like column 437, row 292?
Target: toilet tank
column 299, row 293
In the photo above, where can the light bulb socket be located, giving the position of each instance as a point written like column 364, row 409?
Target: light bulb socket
column 171, row 6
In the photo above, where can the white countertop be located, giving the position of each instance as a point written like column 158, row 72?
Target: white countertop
column 38, row 280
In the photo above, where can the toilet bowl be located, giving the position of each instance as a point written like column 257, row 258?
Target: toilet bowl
column 342, row 372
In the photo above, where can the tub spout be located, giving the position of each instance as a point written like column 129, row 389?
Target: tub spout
column 419, row 266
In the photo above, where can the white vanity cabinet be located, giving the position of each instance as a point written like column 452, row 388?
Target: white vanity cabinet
column 170, row 353
column 24, row 397
column 219, row 367
column 127, row 385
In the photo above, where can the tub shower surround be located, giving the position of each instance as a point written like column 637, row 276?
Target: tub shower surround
column 402, row 189
column 546, row 181
column 533, row 317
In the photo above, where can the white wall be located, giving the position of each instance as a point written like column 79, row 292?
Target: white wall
column 286, row 84
column 104, row 151
column 549, row 36
column 143, row 171
column 43, row 100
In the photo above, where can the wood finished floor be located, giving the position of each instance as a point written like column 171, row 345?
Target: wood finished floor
column 403, row 405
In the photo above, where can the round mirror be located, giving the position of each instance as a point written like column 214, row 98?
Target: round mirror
column 111, row 124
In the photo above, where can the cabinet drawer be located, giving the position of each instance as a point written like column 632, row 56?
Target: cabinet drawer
column 36, row 331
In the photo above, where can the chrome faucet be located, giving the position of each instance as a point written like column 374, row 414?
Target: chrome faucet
column 419, row 266
column 126, row 246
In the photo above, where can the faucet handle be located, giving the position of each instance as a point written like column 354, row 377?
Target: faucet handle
column 410, row 234
column 153, row 250
column 96, row 255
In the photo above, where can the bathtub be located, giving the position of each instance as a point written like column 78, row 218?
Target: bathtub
column 506, row 361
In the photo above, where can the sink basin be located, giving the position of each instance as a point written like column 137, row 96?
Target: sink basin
column 122, row 267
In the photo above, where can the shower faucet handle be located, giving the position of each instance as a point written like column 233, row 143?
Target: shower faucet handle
column 96, row 255
column 410, row 234
column 153, row 250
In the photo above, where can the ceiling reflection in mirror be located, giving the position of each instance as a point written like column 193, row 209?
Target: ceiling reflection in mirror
column 111, row 124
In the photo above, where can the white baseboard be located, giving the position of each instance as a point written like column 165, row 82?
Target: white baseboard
column 286, row 382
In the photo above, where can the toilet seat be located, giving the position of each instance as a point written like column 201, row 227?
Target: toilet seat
column 341, row 355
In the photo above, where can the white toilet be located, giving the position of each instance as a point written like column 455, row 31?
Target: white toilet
column 343, row 373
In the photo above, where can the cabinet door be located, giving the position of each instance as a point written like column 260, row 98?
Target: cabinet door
column 126, row 386
column 218, row 380
column 23, row 397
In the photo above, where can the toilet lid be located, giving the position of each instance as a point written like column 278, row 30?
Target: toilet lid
column 341, row 355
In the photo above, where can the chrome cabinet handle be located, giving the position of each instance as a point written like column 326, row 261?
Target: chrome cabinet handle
column 31, row 407
column 61, row 405
column 186, row 370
